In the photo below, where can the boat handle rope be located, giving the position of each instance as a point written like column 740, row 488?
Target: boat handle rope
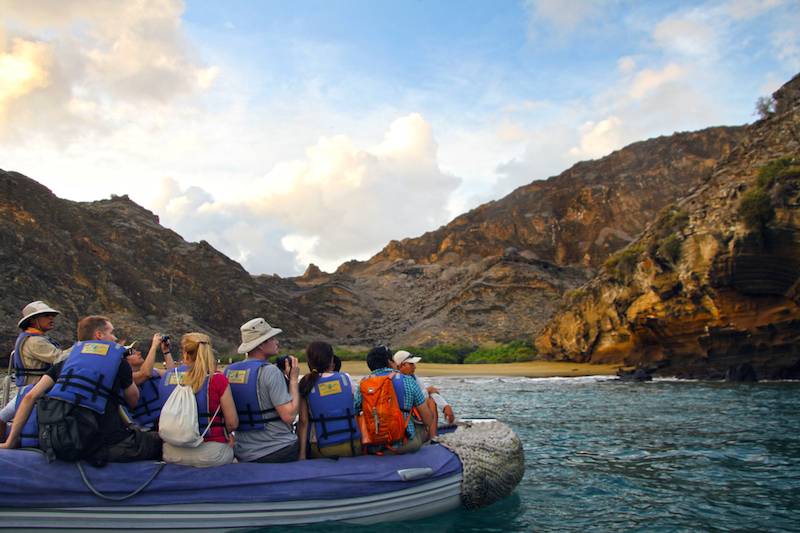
column 137, row 491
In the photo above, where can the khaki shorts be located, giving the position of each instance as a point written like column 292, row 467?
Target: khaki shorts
column 209, row 453
column 411, row 445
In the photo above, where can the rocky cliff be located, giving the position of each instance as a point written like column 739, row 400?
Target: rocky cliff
column 582, row 215
column 112, row 257
column 713, row 282
column 499, row 271
column 496, row 273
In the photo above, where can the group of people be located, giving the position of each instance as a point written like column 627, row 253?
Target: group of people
column 245, row 414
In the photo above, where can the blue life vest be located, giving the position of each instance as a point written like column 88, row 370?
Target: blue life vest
column 332, row 411
column 148, row 409
column 88, row 374
column 21, row 371
column 168, row 383
column 399, row 388
column 243, row 379
column 29, row 438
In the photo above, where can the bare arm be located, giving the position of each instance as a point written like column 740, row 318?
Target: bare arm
column 302, row 428
column 25, row 409
column 131, row 395
column 288, row 411
column 228, row 409
column 427, row 419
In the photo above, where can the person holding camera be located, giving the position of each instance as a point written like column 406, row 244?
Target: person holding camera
column 147, row 377
column 266, row 397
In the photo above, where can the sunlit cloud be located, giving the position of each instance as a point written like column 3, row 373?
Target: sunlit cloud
column 337, row 204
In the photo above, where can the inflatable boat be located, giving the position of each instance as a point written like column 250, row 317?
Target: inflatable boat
column 474, row 466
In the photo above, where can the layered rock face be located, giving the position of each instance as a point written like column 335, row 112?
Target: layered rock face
column 713, row 282
column 497, row 273
column 582, row 215
column 112, row 258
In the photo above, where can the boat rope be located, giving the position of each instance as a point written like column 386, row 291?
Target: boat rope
column 492, row 459
column 137, row 491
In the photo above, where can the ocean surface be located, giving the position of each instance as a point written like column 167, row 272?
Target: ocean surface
column 604, row 456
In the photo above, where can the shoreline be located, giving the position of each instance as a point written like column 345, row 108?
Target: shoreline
column 531, row 369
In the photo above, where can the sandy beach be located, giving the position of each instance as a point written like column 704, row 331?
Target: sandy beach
column 533, row 369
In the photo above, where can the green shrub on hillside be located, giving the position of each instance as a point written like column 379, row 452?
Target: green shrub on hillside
column 756, row 210
column 669, row 248
column 777, row 171
column 622, row 264
column 514, row 352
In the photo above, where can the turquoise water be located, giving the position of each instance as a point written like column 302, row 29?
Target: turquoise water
column 605, row 456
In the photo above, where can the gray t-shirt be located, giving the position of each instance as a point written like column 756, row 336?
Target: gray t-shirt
column 272, row 391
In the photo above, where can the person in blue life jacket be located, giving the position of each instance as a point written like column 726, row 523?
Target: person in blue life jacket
column 407, row 364
column 327, row 425
column 29, row 437
column 266, row 405
column 147, row 377
column 35, row 352
column 95, row 353
column 380, row 363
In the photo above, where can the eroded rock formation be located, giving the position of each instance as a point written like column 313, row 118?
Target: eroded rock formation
column 721, row 290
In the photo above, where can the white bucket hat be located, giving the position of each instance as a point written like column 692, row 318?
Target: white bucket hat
column 254, row 333
column 34, row 309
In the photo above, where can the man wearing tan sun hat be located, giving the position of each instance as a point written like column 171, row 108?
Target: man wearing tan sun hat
column 266, row 405
column 34, row 351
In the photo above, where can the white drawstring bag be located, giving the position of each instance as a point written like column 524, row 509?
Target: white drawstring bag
column 177, row 424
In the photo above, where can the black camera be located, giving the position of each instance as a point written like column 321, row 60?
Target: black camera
column 282, row 361
column 165, row 338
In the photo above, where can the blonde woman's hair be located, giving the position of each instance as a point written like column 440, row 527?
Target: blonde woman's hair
column 199, row 354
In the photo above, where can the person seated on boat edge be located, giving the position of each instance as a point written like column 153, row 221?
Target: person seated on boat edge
column 380, row 363
column 266, row 405
column 212, row 393
column 328, row 425
column 97, row 352
column 407, row 364
column 35, row 352
column 147, row 378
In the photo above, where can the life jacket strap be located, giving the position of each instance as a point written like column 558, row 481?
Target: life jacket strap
column 247, row 417
column 95, row 387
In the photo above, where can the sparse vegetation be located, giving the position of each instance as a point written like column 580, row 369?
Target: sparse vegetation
column 622, row 264
column 778, row 171
column 513, row 352
column 669, row 248
column 765, row 106
column 756, row 209
column 775, row 181
column 665, row 243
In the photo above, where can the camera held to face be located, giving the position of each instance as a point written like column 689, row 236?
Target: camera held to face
column 282, row 361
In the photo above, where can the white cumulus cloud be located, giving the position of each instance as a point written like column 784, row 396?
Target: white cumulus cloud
column 337, row 204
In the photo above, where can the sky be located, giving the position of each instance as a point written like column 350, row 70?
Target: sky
column 289, row 133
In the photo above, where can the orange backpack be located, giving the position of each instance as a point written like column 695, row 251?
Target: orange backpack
column 382, row 420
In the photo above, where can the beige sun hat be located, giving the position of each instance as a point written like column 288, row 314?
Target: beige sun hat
column 254, row 333
column 131, row 346
column 34, row 309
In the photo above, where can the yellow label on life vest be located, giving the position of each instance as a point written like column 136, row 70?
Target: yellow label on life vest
column 95, row 348
column 238, row 377
column 173, row 378
column 331, row 387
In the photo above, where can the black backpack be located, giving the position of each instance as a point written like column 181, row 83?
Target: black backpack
column 67, row 431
